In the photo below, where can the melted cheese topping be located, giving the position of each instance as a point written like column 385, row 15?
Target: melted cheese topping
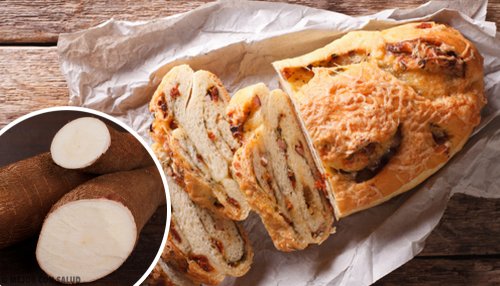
column 362, row 105
column 343, row 111
column 425, row 79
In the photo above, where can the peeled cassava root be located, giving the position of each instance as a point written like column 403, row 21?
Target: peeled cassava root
column 93, row 229
column 28, row 189
column 92, row 146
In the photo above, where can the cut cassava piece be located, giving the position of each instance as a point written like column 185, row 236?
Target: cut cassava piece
column 28, row 189
column 277, row 171
column 191, row 123
column 202, row 245
column 89, row 144
column 92, row 230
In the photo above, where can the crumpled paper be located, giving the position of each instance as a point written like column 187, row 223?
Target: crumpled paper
column 116, row 66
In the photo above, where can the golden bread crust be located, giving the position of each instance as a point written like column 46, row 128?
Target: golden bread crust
column 158, row 278
column 386, row 109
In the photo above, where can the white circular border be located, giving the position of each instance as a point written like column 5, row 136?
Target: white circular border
column 139, row 138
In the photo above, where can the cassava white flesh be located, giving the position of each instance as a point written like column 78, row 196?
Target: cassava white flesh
column 87, row 239
column 28, row 189
column 89, row 144
column 93, row 229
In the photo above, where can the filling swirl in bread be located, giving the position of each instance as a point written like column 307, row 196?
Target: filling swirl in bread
column 190, row 121
column 164, row 274
column 276, row 170
column 203, row 246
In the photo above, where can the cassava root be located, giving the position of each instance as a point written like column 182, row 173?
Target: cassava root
column 88, row 144
column 93, row 229
column 28, row 189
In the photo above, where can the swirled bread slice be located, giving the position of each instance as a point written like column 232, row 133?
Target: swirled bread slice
column 190, row 122
column 165, row 275
column 203, row 246
column 277, row 171
column 386, row 109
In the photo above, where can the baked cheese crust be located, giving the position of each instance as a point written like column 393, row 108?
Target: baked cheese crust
column 386, row 109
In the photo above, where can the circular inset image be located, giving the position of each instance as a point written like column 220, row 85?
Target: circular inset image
column 82, row 200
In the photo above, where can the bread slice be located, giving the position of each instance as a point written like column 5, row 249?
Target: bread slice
column 165, row 275
column 203, row 246
column 386, row 109
column 190, row 122
column 277, row 171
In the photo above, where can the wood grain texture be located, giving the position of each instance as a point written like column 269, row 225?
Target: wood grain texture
column 30, row 79
column 470, row 226
column 462, row 250
column 40, row 21
column 445, row 271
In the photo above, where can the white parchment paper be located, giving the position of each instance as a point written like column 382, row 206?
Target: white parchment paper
column 116, row 66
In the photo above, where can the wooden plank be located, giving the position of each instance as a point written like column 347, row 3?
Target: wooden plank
column 445, row 271
column 40, row 21
column 30, row 79
column 470, row 226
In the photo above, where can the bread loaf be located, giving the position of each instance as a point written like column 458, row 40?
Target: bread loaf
column 190, row 122
column 277, row 171
column 386, row 109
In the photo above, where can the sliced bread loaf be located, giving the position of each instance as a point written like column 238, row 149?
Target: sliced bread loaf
column 203, row 246
column 277, row 171
column 190, row 122
column 165, row 275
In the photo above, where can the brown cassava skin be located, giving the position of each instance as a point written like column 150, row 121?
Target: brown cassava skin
column 28, row 189
column 141, row 191
column 124, row 154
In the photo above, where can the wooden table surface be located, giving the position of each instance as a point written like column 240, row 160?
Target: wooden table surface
column 463, row 250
